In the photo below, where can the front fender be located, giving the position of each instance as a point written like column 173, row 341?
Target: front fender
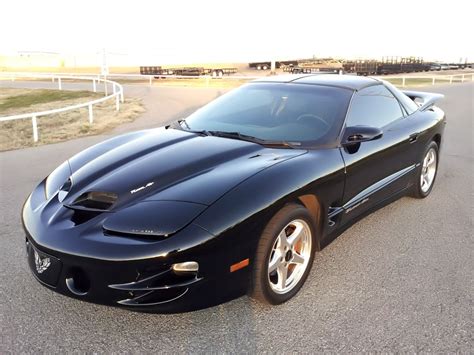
column 320, row 173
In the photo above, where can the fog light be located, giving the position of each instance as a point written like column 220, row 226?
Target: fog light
column 188, row 266
column 77, row 282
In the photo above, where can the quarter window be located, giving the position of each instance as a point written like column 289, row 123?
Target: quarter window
column 374, row 106
column 409, row 104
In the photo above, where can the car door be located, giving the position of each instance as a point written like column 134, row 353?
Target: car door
column 379, row 168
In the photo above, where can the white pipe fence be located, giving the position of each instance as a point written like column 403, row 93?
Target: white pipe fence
column 150, row 78
column 440, row 79
column 116, row 88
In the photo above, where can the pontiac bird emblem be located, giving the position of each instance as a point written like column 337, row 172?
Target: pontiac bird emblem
column 41, row 263
column 141, row 187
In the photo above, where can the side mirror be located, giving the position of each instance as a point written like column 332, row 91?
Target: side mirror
column 359, row 134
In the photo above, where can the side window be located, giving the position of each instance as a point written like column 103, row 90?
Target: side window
column 373, row 106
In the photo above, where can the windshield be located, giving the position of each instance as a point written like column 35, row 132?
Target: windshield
column 295, row 113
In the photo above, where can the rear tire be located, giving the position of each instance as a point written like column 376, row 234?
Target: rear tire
column 284, row 257
column 426, row 172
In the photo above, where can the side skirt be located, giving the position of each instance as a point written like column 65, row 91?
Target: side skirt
column 334, row 234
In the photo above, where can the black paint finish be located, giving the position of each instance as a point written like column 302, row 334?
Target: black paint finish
column 182, row 196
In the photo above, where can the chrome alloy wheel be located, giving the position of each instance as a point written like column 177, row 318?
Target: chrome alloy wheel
column 290, row 256
column 428, row 171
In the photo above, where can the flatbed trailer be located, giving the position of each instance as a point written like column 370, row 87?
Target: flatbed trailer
column 314, row 66
column 267, row 65
column 313, row 70
column 186, row 71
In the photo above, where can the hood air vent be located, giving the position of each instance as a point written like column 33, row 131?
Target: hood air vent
column 95, row 201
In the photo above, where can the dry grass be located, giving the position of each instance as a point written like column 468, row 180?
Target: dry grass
column 63, row 126
column 16, row 101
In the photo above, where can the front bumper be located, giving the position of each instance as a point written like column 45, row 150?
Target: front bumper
column 147, row 285
column 83, row 263
column 140, row 284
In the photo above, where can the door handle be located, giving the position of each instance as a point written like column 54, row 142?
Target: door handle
column 413, row 137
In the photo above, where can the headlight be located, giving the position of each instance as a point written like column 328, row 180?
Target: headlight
column 152, row 219
column 57, row 179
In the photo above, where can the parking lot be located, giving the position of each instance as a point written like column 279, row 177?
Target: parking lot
column 399, row 280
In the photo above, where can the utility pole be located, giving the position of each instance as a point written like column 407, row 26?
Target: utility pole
column 104, row 69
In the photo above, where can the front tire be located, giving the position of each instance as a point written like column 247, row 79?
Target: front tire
column 284, row 257
column 427, row 171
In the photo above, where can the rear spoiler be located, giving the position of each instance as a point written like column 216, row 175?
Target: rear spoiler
column 428, row 99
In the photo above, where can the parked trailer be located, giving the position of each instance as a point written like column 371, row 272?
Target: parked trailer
column 310, row 66
column 388, row 65
column 361, row 67
column 396, row 65
column 268, row 65
column 187, row 71
column 314, row 70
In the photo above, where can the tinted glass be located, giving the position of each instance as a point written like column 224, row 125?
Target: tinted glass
column 373, row 106
column 409, row 105
column 277, row 111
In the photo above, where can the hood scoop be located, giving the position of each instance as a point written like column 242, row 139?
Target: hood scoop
column 97, row 201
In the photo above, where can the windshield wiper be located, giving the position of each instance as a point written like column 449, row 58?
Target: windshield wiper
column 180, row 123
column 184, row 126
column 265, row 142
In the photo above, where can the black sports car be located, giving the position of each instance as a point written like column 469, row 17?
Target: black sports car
column 234, row 199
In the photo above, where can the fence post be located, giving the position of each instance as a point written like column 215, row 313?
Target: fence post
column 451, row 79
column 403, row 81
column 462, row 79
column 94, row 86
column 433, row 81
column 117, row 102
column 121, row 95
column 60, row 87
column 105, row 86
column 91, row 114
column 35, row 128
column 150, row 77
column 52, row 79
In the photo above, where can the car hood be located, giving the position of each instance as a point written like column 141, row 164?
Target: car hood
column 168, row 165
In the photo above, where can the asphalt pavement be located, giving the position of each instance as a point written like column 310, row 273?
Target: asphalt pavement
column 399, row 280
